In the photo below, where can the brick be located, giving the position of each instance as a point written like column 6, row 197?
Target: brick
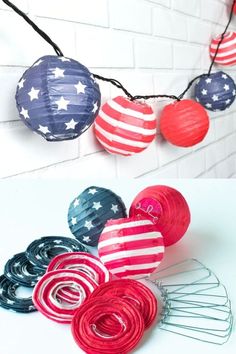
column 169, row 24
column 130, row 15
column 89, row 11
column 214, row 11
column 209, row 174
column 224, row 169
column 21, row 4
column 215, row 153
column 202, row 35
column 153, row 53
column 168, row 152
column 187, row 56
column 230, row 144
column 136, row 82
column 161, row 2
column 192, row 7
column 223, row 126
column 170, row 83
column 100, row 48
column 192, row 165
column 169, row 171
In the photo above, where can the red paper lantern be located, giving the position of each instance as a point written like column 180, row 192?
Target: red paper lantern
column 166, row 208
column 125, row 127
column 131, row 247
column 184, row 123
column 226, row 55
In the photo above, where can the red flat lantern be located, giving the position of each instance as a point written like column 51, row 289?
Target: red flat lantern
column 125, row 127
column 226, row 55
column 184, row 123
column 166, row 208
column 131, row 247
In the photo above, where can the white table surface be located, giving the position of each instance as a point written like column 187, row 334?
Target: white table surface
column 31, row 209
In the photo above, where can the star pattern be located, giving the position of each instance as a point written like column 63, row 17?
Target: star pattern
column 92, row 191
column 42, row 98
column 96, row 205
column 76, row 203
column 88, row 224
column 86, row 239
column 114, row 208
column 216, row 92
column 73, row 221
column 43, row 129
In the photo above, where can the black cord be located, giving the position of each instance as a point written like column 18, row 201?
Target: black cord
column 35, row 27
column 114, row 81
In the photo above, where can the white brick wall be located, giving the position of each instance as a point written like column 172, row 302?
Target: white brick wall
column 152, row 46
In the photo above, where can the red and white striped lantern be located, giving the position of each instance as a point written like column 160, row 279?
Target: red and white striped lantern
column 131, row 247
column 226, row 55
column 124, row 127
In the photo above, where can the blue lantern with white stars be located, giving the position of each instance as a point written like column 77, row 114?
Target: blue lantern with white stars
column 215, row 92
column 89, row 212
column 58, row 98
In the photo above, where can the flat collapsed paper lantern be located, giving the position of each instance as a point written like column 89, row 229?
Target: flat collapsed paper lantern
column 58, row 98
column 166, row 208
column 124, row 127
column 89, row 212
column 226, row 55
column 131, row 247
column 215, row 92
column 184, row 123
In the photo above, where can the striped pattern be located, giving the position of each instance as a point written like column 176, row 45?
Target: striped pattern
column 124, row 127
column 131, row 247
column 227, row 51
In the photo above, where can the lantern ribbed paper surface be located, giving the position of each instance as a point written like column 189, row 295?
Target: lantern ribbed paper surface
column 125, row 127
column 10, row 300
column 166, row 208
column 89, row 212
column 131, row 248
column 227, row 52
column 215, row 92
column 134, row 292
column 184, row 123
column 57, row 98
column 88, row 326
column 84, row 262
column 45, row 295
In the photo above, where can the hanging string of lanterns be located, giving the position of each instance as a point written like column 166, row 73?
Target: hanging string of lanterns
column 58, row 98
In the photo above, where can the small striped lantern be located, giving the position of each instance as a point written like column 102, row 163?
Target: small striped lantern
column 215, row 92
column 125, row 127
column 131, row 247
column 89, row 212
column 226, row 55
column 58, row 98
column 184, row 123
column 166, row 208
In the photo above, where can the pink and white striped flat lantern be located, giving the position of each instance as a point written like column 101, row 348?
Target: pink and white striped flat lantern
column 131, row 247
column 226, row 55
column 125, row 127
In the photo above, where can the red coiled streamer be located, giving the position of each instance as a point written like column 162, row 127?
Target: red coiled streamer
column 88, row 329
column 135, row 293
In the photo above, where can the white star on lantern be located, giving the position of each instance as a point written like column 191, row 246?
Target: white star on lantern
column 96, row 205
column 43, row 129
column 224, row 76
column 80, row 87
column 24, row 113
column 73, row 221
column 204, row 92
column 64, row 59
column 234, row 92
column 208, row 105
column 86, row 239
column 58, row 73
column 227, row 101
column 114, row 208
column 34, row 94
column 215, row 98
column 21, row 83
column 71, row 124
column 88, row 225
column 76, row 203
column 226, row 87
column 92, row 191
column 208, row 80
column 38, row 62
column 62, row 104
column 95, row 107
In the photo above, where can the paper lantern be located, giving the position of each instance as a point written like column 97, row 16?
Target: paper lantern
column 57, row 98
column 215, row 92
column 45, row 295
column 131, row 247
column 88, row 326
column 184, row 123
column 89, row 212
column 124, row 127
column 226, row 55
column 166, row 208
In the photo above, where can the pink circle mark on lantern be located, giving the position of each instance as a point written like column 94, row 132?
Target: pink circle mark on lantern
column 226, row 55
column 125, row 127
column 131, row 247
column 167, row 208
column 184, row 123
